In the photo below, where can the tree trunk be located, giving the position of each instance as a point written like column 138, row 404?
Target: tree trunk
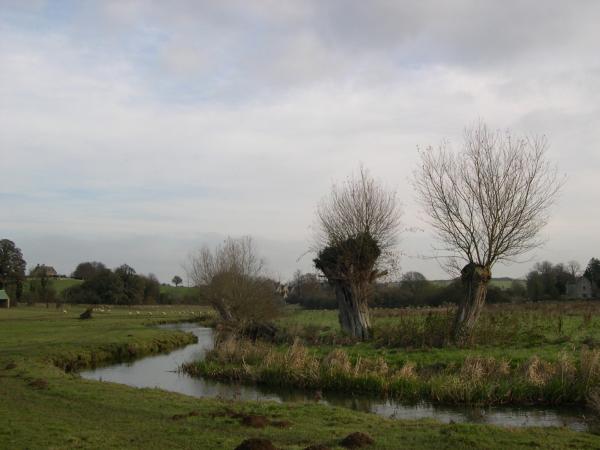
column 222, row 309
column 353, row 310
column 475, row 279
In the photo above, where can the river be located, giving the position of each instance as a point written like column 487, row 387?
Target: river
column 160, row 371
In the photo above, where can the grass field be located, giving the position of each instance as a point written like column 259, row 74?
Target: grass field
column 180, row 291
column 516, row 332
column 59, row 284
column 42, row 406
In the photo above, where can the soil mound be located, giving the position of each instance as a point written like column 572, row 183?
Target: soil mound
column 39, row 384
column 255, row 421
column 281, row 423
column 256, row 444
column 357, row 440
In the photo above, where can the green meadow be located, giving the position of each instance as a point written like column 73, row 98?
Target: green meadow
column 42, row 405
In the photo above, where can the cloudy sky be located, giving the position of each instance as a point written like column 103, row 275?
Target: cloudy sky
column 136, row 131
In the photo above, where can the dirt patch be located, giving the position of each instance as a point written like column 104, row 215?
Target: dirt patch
column 39, row 384
column 10, row 366
column 185, row 416
column 255, row 421
column 357, row 440
column 252, row 420
column 256, row 444
column 228, row 413
column 281, row 423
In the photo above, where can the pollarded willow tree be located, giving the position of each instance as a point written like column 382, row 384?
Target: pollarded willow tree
column 357, row 225
column 487, row 203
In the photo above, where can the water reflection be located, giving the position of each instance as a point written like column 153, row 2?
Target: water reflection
column 160, row 371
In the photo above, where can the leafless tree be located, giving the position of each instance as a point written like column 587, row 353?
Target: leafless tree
column 357, row 226
column 574, row 269
column 232, row 280
column 486, row 203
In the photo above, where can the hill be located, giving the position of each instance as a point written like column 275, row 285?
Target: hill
column 500, row 282
column 60, row 284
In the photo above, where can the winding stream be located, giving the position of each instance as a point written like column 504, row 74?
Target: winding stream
column 160, row 371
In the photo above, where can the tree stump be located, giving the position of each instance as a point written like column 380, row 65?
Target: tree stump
column 87, row 314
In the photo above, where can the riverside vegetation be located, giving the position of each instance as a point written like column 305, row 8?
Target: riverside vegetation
column 44, row 406
column 528, row 354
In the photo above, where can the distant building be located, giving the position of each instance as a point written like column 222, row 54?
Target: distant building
column 582, row 288
column 4, row 300
column 282, row 289
column 41, row 270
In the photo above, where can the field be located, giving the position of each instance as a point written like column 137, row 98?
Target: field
column 178, row 292
column 60, row 284
column 541, row 354
column 502, row 283
column 42, row 406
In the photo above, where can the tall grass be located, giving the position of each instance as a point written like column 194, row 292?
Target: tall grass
column 481, row 380
column 526, row 325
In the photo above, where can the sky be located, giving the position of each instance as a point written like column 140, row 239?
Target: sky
column 136, row 131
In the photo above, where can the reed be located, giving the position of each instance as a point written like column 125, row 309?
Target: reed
column 477, row 380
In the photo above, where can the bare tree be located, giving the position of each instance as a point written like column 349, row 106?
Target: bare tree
column 232, row 280
column 574, row 269
column 357, row 226
column 486, row 203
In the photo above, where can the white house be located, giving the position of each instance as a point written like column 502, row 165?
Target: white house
column 582, row 288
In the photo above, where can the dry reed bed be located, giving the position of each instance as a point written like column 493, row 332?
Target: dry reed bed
column 482, row 380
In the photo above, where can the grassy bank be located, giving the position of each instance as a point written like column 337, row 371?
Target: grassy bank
column 480, row 380
column 42, row 406
column 520, row 354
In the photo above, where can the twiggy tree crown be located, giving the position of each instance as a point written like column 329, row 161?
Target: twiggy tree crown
column 361, row 206
column 488, row 202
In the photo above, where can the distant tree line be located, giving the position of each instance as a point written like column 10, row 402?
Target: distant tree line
column 12, row 269
column 547, row 281
column 592, row 272
column 312, row 292
column 121, row 286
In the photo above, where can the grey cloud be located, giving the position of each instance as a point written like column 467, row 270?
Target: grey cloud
column 247, row 45
column 237, row 116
